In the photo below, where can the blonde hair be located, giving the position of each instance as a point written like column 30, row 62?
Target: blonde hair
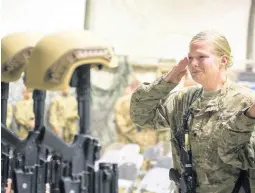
column 219, row 42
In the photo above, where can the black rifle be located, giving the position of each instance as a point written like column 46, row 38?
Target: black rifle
column 31, row 175
column 86, row 148
column 187, row 180
column 84, row 178
column 8, row 141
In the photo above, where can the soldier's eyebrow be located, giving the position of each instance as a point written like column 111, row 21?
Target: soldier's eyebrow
column 198, row 53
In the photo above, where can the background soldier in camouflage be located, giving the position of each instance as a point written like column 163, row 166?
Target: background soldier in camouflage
column 9, row 116
column 222, row 122
column 127, row 131
column 63, row 116
column 24, row 115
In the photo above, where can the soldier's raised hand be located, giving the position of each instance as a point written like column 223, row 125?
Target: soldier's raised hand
column 175, row 75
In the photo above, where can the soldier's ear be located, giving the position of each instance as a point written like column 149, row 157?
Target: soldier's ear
column 223, row 61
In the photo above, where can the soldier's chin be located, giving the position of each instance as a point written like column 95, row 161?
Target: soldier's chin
column 197, row 78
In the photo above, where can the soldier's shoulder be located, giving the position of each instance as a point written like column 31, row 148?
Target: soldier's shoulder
column 20, row 102
column 56, row 99
column 237, row 91
column 72, row 98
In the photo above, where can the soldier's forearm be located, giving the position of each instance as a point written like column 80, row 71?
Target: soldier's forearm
column 147, row 104
column 156, row 90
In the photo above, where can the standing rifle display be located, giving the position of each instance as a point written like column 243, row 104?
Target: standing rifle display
column 43, row 158
column 86, row 149
column 31, row 174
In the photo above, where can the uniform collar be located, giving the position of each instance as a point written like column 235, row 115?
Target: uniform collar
column 209, row 100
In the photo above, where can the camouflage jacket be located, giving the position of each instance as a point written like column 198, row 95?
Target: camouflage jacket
column 63, row 115
column 63, row 110
column 9, row 115
column 222, row 137
column 127, row 130
column 23, row 113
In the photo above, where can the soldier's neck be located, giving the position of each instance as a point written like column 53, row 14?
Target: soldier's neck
column 217, row 84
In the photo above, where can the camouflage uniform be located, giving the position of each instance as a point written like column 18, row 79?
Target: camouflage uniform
column 127, row 131
column 23, row 113
column 63, row 115
column 9, row 116
column 222, row 137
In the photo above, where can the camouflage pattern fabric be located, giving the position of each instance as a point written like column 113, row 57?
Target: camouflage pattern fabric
column 127, row 131
column 9, row 116
column 63, row 116
column 23, row 113
column 222, row 136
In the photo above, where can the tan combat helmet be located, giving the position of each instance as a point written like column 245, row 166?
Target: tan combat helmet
column 15, row 50
column 57, row 55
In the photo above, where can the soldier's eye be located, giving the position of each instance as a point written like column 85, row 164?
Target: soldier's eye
column 201, row 56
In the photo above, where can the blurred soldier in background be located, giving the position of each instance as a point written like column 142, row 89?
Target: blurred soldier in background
column 24, row 115
column 9, row 116
column 126, row 130
column 63, row 116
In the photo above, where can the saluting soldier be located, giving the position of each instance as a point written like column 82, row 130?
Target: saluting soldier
column 221, row 122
